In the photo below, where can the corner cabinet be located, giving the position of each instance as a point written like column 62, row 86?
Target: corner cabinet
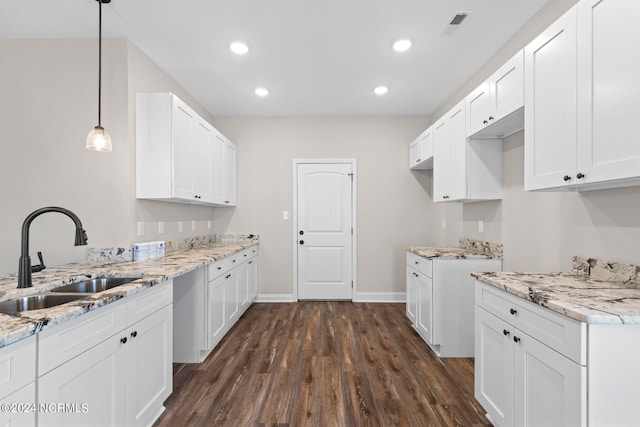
column 421, row 151
column 464, row 170
column 178, row 157
column 440, row 301
column 581, row 99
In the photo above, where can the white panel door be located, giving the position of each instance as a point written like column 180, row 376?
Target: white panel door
column 324, row 232
column 608, row 90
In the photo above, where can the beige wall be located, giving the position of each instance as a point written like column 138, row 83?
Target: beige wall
column 393, row 203
column 49, row 104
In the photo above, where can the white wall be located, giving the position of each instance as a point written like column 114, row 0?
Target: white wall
column 49, row 104
column 393, row 203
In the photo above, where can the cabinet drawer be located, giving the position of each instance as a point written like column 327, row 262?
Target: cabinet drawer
column 149, row 301
column 64, row 342
column 565, row 335
column 423, row 265
column 17, row 365
column 219, row 268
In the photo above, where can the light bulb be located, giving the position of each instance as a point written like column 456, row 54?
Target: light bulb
column 99, row 140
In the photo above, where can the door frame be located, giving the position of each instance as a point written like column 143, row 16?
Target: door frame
column 294, row 218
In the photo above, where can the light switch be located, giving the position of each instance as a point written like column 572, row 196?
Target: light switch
column 209, row 225
column 193, row 225
column 480, row 226
column 285, row 215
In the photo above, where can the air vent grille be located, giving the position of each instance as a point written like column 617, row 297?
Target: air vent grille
column 458, row 18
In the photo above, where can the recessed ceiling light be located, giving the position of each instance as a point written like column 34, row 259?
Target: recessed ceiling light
column 239, row 48
column 402, row 45
column 260, row 91
column 381, row 90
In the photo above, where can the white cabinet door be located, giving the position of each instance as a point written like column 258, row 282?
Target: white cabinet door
column 421, row 151
column 507, row 89
column 149, row 367
column 184, row 146
column 203, row 159
column 424, row 322
column 231, row 305
column 494, row 367
column 608, row 90
column 411, row 295
column 218, row 173
column 11, row 415
column 96, row 378
column 243, row 286
column 216, row 318
column 550, row 389
column 550, row 106
column 478, row 104
column 230, row 173
column 450, row 156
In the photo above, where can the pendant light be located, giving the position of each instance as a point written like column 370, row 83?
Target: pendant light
column 98, row 139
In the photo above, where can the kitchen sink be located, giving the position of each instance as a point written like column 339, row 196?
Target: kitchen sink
column 36, row 302
column 92, row 286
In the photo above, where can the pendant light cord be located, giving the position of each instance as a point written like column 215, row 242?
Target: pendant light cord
column 99, row 60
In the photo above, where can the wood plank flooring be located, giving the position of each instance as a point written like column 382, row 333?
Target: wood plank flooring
column 323, row 364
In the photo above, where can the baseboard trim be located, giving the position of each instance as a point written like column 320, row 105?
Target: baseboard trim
column 275, row 298
column 380, row 297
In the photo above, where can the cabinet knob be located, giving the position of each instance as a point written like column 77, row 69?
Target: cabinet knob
column 505, row 332
column 516, row 339
column 123, row 340
column 251, row 262
column 484, row 122
column 513, row 311
column 580, row 175
column 418, row 160
column 490, row 118
column 226, row 201
column 566, row 178
column 134, row 334
column 445, row 197
column 227, row 276
column 301, row 232
column 301, row 242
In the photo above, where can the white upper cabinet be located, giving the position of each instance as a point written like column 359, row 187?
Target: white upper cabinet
column 224, row 170
column 580, row 94
column 421, row 151
column 464, row 170
column 494, row 109
column 608, row 91
column 177, row 158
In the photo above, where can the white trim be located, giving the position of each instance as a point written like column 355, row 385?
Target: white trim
column 275, row 298
column 380, row 297
column 294, row 221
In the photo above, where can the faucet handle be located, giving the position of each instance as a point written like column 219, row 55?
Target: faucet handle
column 41, row 266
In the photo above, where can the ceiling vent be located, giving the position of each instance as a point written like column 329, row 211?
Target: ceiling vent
column 453, row 24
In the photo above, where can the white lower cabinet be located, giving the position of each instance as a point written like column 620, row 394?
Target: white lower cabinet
column 105, row 375
column 208, row 302
column 440, row 297
column 530, row 365
column 17, row 383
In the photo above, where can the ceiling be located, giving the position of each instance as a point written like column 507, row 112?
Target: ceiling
column 317, row 58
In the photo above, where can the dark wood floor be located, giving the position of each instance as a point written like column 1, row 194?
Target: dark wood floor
column 323, row 364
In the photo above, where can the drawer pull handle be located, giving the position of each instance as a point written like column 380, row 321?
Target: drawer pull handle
column 505, row 332
column 516, row 339
column 134, row 334
column 513, row 311
column 123, row 340
column 566, row 178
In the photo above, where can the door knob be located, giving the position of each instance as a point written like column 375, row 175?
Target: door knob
column 302, row 242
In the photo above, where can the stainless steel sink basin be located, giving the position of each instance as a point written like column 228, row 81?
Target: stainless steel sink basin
column 36, row 302
column 92, row 286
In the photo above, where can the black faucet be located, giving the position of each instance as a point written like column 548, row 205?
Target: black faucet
column 24, row 265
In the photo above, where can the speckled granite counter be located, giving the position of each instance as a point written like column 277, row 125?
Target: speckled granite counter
column 151, row 272
column 469, row 248
column 598, row 292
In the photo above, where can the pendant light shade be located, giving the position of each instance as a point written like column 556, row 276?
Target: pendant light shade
column 98, row 139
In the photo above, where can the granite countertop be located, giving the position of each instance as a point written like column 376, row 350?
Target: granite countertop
column 596, row 292
column 151, row 272
column 469, row 248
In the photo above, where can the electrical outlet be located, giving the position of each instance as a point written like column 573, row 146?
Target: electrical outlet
column 160, row 227
column 285, row 215
column 140, row 228
column 480, row 226
column 193, row 225
column 180, row 226
column 444, row 224
column 208, row 225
